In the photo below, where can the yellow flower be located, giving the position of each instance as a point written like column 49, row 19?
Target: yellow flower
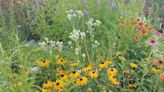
column 18, row 84
column 118, row 53
column 44, row 63
column 108, row 62
column 93, row 74
column 59, row 85
column 60, row 71
column 86, row 69
column 63, row 77
column 82, row 81
column 74, row 74
column 112, row 71
column 131, row 85
column 126, row 72
column 73, row 65
column 46, row 90
column 133, row 65
column 60, row 61
column 155, row 70
column 48, row 84
column 113, row 80
column 105, row 64
column 122, row 58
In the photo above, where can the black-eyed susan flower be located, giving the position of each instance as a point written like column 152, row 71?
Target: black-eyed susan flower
column 74, row 74
column 104, row 64
column 114, row 80
column 133, row 65
column 46, row 90
column 44, row 63
column 107, row 62
column 60, row 71
column 88, row 68
column 63, row 77
column 82, row 81
column 93, row 74
column 48, row 84
column 60, row 61
column 59, row 85
column 156, row 70
column 126, row 72
column 112, row 71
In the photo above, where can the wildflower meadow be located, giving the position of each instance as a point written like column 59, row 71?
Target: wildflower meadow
column 81, row 45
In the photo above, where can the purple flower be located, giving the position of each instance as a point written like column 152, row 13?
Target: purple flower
column 152, row 43
column 86, row 12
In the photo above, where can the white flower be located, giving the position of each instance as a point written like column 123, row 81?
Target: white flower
column 59, row 46
column 42, row 44
column 98, row 22
column 84, row 55
column 34, row 69
column 69, row 11
column 79, row 13
column 69, row 16
column 91, row 20
column 74, row 15
column 95, row 44
column 74, row 35
column 46, row 39
column 77, row 51
column 82, row 34
column 70, row 43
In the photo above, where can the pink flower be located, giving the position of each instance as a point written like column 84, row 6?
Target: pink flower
column 162, row 76
column 152, row 43
column 159, row 32
column 160, row 63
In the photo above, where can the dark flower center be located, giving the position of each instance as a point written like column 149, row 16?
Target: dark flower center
column 160, row 61
column 152, row 41
column 74, row 72
column 81, row 79
column 62, row 75
column 57, row 83
column 102, row 63
column 160, row 31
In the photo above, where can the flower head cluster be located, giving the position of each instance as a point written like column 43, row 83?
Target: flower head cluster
column 76, row 34
column 50, row 44
column 95, row 44
column 93, row 23
column 73, row 14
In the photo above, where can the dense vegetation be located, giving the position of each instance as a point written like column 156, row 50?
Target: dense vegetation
column 81, row 45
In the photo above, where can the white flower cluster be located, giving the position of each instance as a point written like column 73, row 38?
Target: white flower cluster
column 93, row 23
column 95, row 44
column 77, row 50
column 51, row 44
column 72, row 14
column 76, row 34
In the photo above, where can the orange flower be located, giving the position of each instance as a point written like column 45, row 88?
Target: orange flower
column 143, row 32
